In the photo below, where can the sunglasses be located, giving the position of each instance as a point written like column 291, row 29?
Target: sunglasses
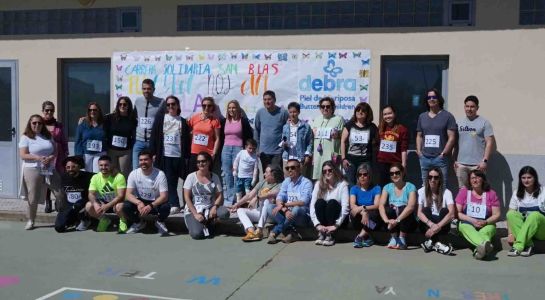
column 171, row 104
column 202, row 162
column 363, row 174
column 325, row 171
column 123, row 104
column 36, row 123
column 92, row 110
column 49, row 110
column 207, row 105
column 431, row 98
column 433, row 177
column 395, row 173
column 289, row 168
column 325, row 106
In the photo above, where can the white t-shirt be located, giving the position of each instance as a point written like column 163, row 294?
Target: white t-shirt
column 38, row 146
column 339, row 194
column 292, row 153
column 247, row 164
column 147, row 188
column 202, row 194
column 447, row 200
column 172, row 127
column 528, row 202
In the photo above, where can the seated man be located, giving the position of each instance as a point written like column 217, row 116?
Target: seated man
column 106, row 195
column 74, row 185
column 292, row 204
column 147, row 193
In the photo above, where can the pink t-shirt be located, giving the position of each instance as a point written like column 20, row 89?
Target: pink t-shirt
column 233, row 133
column 491, row 200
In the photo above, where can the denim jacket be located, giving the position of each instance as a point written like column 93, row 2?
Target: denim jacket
column 304, row 140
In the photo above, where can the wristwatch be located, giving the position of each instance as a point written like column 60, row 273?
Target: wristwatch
column 398, row 220
column 364, row 207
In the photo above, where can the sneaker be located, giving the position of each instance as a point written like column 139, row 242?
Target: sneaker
column 136, row 227
column 402, row 244
column 103, row 224
column 483, row 250
column 442, row 248
column 321, row 238
column 29, row 225
column 291, row 237
column 174, row 210
column 250, row 236
column 358, row 242
column 83, row 225
column 329, row 240
column 122, row 226
column 368, row 242
column 392, row 244
column 161, row 228
column 272, row 238
column 513, row 252
column 258, row 234
column 427, row 246
column 528, row 251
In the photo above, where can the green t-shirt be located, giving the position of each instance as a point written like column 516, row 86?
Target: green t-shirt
column 106, row 188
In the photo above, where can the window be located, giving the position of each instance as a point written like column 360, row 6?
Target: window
column 314, row 15
column 70, row 21
column 461, row 12
column 532, row 12
column 83, row 81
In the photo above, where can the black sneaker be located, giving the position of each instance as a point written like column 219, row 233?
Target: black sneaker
column 513, row 252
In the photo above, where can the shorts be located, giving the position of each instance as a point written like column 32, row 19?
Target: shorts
column 243, row 185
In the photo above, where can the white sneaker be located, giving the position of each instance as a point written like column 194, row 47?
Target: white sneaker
column 442, row 248
column 29, row 225
column 321, row 238
column 136, row 227
column 83, row 225
column 174, row 210
column 329, row 240
column 161, row 228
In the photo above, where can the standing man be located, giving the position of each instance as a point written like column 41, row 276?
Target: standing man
column 435, row 135
column 269, row 122
column 106, row 195
column 74, row 185
column 292, row 204
column 475, row 144
column 147, row 193
column 145, row 109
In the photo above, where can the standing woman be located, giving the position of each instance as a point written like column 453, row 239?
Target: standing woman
column 358, row 139
column 397, row 204
column 61, row 145
column 329, row 204
column 435, row 211
column 169, row 144
column 205, row 132
column 364, row 203
column 525, row 218
column 91, row 142
column 120, row 128
column 394, row 143
column 37, row 149
column 203, row 196
column 478, row 211
column 235, row 130
column 327, row 130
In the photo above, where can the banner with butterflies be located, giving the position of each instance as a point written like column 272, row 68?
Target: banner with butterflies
column 304, row 76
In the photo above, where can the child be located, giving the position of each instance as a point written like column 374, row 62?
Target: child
column 245, row 168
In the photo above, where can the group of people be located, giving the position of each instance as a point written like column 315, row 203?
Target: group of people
column 332, row 172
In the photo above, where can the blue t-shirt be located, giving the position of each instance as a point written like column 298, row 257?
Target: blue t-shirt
column 401, row 200
column 364, row 197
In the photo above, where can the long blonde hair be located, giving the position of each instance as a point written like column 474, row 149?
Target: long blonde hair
column 238, row 113
column 324, row 186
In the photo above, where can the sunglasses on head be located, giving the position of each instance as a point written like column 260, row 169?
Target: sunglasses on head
column 289, row 168
column 325, row 106
column 431, row 98
column 363, row 174
column 325, row 171
column 395, row 173
column 433, row 177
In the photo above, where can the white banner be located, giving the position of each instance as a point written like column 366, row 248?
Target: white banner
column 304, row 76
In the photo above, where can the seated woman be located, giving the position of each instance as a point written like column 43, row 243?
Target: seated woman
column 257, row 202
column 525, row 218
column 397, row 204
column 435, row 211
column 204, row 198
column 478, row 211
column 329, row 203
column 364, row 202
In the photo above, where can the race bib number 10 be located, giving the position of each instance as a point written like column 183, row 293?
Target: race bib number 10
column 477, row 211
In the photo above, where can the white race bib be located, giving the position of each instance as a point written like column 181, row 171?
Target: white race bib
column 323, row 132
column 293, row 196
column 146, row 194
column 200, row 139
column 172, row 138
column 475, row 210
column 432, row 141
column 73, row 197
column 202, row 200
column 388, row 146
column 359, row 136
column 94, row 145
column 119, row 141
column 145, row 122
column 434, row 210
column 107, row 197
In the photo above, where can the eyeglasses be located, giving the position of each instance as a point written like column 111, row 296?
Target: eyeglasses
column 433, row 177
column 207, row 105
column 289, row 168
column 123, row 104
column 92, row 110
column 202, row 162
column 325, row 106
column 363, row 174
column 36, row 123
column 395, row 173
column 325, row 171
column 49, row 110
column 431, row 98
column 171, row 104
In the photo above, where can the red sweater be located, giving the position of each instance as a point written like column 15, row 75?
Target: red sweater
column 401, row 137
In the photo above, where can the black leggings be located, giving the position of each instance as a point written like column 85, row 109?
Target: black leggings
column 406, row 225
column 374, row 216
column 435, row 219
column 327, row 212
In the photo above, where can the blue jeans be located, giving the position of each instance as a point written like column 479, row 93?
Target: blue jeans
column 244, row 185
column 138, row 146
column 301, row 218
column 228, row 155
column 427, row 163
